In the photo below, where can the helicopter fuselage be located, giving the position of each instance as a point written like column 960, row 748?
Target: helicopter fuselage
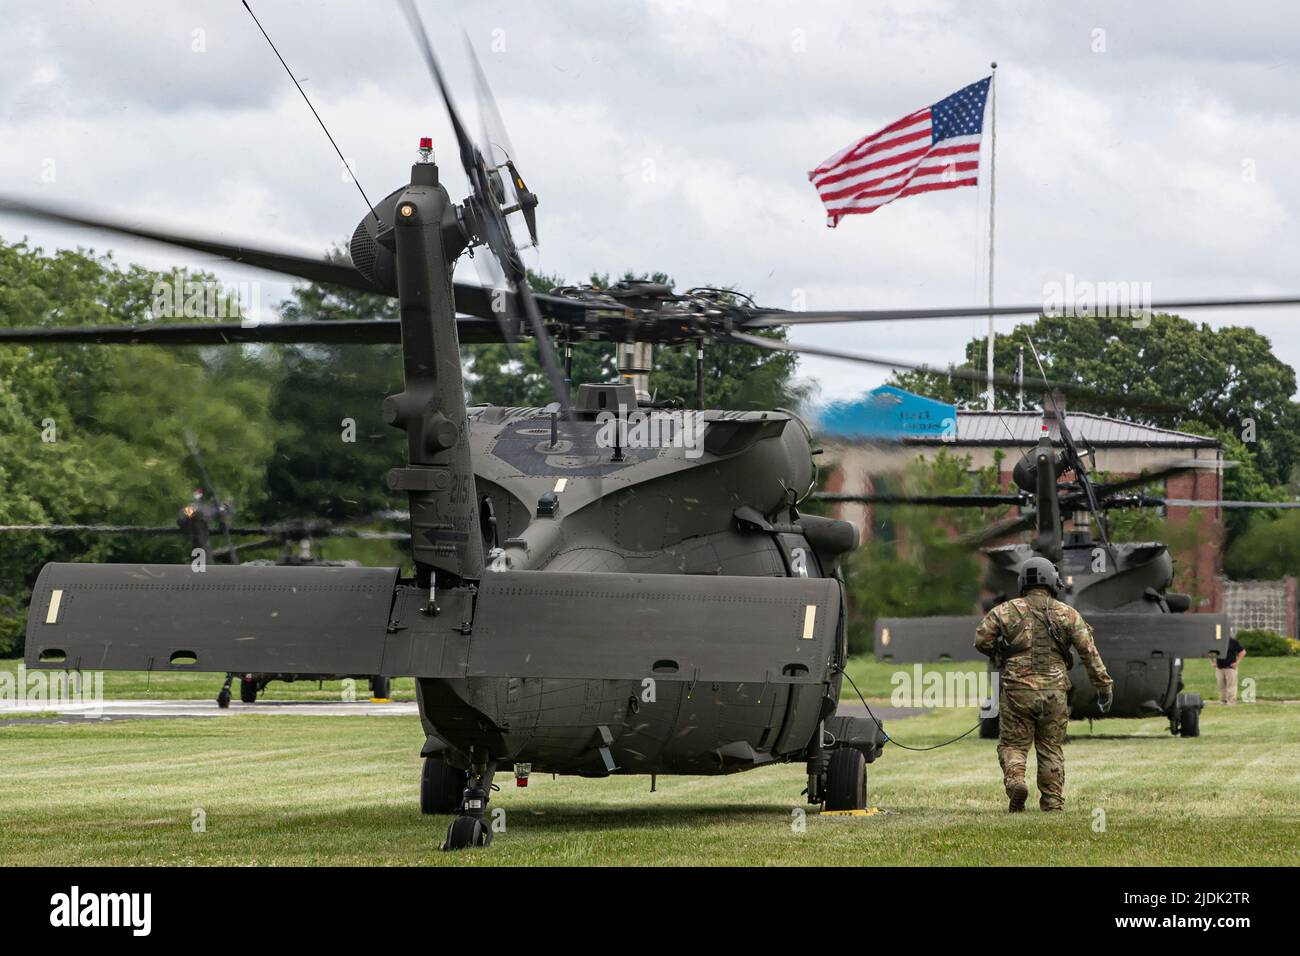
column 710, row 504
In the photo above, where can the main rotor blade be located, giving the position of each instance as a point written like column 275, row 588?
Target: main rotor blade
column 280, row 532
column 108, row 529
column 365, row 534
column 471, row 299
column 89, row 529
column 550, row 365
column 248, row 546
column 335, row 332
column 770, row 318
column 287, row 536
column 289, row 263
column 1161, row 472
column 289, row 531
column 965, row 374
column 999, row 529
column 943, row 501
column 1230, row 505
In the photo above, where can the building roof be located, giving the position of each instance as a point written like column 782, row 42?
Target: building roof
column 1023, row 428
column 888, row 413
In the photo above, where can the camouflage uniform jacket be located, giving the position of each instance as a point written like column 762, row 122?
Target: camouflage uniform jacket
column 1030, row 656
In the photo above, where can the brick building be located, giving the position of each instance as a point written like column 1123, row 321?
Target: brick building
column 1122, row 449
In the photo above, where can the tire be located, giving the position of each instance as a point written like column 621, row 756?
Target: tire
column 1189, row 722
column 441, row 786
column 379, row 687
column 989, row 728
column 223, row 700
column 846, row 780
column 466, row 832
column 247, row 691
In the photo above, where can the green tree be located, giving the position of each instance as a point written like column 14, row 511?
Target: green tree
column 1268, row 550
column 1172, row 373
column 1165, row 373
column 97, row 434
column 1246, row 480
column 334, row 447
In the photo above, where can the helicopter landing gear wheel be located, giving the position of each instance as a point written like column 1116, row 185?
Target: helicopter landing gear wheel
column 223, row 696
column 379, row 688
column 470, row 829
column 989, row 728
column 466, row 832
column 1185, row 715
column 442, row 786
column 846, row 780
column 248, row 689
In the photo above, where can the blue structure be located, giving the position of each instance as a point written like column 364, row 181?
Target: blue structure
column 889, row 413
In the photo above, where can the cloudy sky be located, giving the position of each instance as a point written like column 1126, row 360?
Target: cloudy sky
column 1142, row 143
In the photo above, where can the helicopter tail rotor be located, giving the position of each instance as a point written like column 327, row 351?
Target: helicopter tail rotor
column 486, row 213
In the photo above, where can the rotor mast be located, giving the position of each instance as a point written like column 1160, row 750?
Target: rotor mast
column 1047, row 502
column 635, row 361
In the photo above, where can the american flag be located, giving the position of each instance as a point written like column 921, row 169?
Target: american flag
column 937, row 147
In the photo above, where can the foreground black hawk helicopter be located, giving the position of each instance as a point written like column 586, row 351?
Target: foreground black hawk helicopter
column 579, row 605
column 1123, row 589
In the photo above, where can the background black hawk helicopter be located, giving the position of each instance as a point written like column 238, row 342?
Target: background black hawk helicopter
column 207, row 514
column 1123, row 589
column 575, row 608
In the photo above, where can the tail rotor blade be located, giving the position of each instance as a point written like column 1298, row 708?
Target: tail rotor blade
column 463, row 141
column 495, row 137
column 485, row 205
column 487, row 213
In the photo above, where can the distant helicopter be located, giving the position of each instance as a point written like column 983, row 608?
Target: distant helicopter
column 1121, row 588
column 583, row 603
column 205, row 513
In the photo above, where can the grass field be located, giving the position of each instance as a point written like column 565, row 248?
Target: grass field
column 178, row 685
column 339, row 791
column 1276, row 678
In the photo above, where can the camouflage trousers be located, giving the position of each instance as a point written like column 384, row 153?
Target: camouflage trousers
column 1038, row 718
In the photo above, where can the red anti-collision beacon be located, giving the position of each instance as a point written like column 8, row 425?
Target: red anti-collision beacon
column 426, row 148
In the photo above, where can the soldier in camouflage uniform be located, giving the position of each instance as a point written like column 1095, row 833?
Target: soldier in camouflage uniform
column 1031, row 639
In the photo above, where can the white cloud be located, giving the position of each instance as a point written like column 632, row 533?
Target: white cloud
column 1126, row 164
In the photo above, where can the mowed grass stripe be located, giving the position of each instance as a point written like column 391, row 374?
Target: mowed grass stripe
column 343, row 791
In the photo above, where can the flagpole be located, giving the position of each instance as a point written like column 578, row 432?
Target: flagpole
column 993, row 151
